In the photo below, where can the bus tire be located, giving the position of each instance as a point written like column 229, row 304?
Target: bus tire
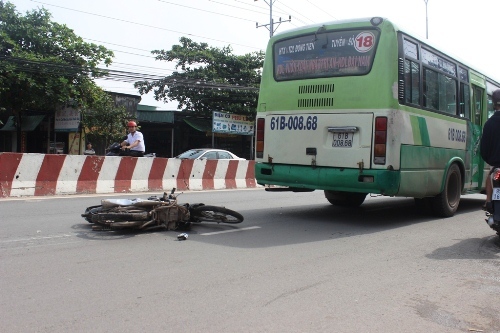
column 445, row 204
column 345, row 199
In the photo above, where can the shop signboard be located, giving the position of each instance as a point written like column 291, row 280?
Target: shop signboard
column 67, row 120
column 223, row 122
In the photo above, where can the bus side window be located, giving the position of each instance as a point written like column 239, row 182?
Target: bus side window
column 464, row 101
column 440, row 92
column 431, row 95
column 412, row 82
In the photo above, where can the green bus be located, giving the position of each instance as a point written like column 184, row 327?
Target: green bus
column 360, row 106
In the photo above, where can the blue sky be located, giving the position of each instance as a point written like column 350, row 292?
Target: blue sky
column 133, row 28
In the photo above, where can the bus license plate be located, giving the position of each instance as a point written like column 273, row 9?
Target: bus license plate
column 496, row 194
column 342, row 140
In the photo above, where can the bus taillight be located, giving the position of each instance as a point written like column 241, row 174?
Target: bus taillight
column 379, row 150
column 259, row 144
column 496, row 174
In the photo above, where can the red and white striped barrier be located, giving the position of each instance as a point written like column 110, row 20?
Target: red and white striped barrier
column 41, row 175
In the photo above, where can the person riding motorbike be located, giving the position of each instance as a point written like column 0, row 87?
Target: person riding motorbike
column 134, row 144
column 490, row 145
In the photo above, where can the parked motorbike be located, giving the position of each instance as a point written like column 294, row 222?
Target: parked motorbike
column 493, row 212
column 155, row 212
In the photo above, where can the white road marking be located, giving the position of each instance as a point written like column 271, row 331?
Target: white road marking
column 227, row 231
column 33, row 238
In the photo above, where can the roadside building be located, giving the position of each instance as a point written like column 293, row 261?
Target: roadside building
column 167, row 133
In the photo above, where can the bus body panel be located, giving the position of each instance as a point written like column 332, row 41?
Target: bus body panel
column 423, row 169
column 419, row 145
column 386, row 182
column 317, row 139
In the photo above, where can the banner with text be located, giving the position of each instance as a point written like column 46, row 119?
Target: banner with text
column 231, row 123
column 67, row 120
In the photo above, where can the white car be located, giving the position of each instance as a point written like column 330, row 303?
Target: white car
column 208, row 154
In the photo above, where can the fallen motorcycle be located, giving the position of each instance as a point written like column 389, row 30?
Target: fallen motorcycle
column 493, row 211
column 155, row 212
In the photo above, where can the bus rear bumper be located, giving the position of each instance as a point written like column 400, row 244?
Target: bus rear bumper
column 385, row 182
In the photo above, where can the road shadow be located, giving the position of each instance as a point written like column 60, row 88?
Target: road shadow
column 84, row 231
column 471, row 248
column 317, row 222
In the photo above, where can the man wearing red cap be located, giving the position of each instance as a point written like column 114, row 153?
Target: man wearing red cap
column 134, row 144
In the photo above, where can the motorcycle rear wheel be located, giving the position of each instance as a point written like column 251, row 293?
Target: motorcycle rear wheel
column 215, row 214
column 90, row 211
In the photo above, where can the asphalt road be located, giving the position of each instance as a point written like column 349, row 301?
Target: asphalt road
column 296, row 264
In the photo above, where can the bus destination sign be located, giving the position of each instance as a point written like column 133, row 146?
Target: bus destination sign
column 325, row 54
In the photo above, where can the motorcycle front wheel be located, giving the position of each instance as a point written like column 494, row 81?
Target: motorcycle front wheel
column 215, row 214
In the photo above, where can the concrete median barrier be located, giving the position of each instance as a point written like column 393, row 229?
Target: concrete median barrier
column 45, row 175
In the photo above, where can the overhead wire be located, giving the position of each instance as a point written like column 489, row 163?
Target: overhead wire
column 129, row 47
column 145, row 25
column 251, row 10
column 278, row 4
column 127, row 76
column 204, row 10
column 322, row 10
column 129, row 53
column 51, row 68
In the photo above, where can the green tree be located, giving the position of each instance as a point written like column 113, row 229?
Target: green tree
column 44, row 65
column 103, row 119
column 211, row 79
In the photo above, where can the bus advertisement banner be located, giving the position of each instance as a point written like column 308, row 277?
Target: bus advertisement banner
column 223, row 122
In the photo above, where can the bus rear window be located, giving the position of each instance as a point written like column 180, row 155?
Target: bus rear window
column 325, row 54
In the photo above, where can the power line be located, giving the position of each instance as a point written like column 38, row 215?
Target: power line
column 296, row 12
column 163, row 69
column 322, row 10
column 134, row 54
column 247, row 4
column 61, row 69
column 250, row 10
column 203, row 10
column 129, row 47
column 120, row 51
column 146, row 25
column 55, row 69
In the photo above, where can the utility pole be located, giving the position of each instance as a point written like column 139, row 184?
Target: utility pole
column 270, row 25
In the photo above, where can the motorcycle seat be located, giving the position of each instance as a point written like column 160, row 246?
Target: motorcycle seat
column 107, row 203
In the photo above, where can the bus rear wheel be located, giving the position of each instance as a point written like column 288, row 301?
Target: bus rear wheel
column 445, row 204
column 345, row 199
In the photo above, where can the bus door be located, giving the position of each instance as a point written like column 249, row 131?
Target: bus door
column 476, row 120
